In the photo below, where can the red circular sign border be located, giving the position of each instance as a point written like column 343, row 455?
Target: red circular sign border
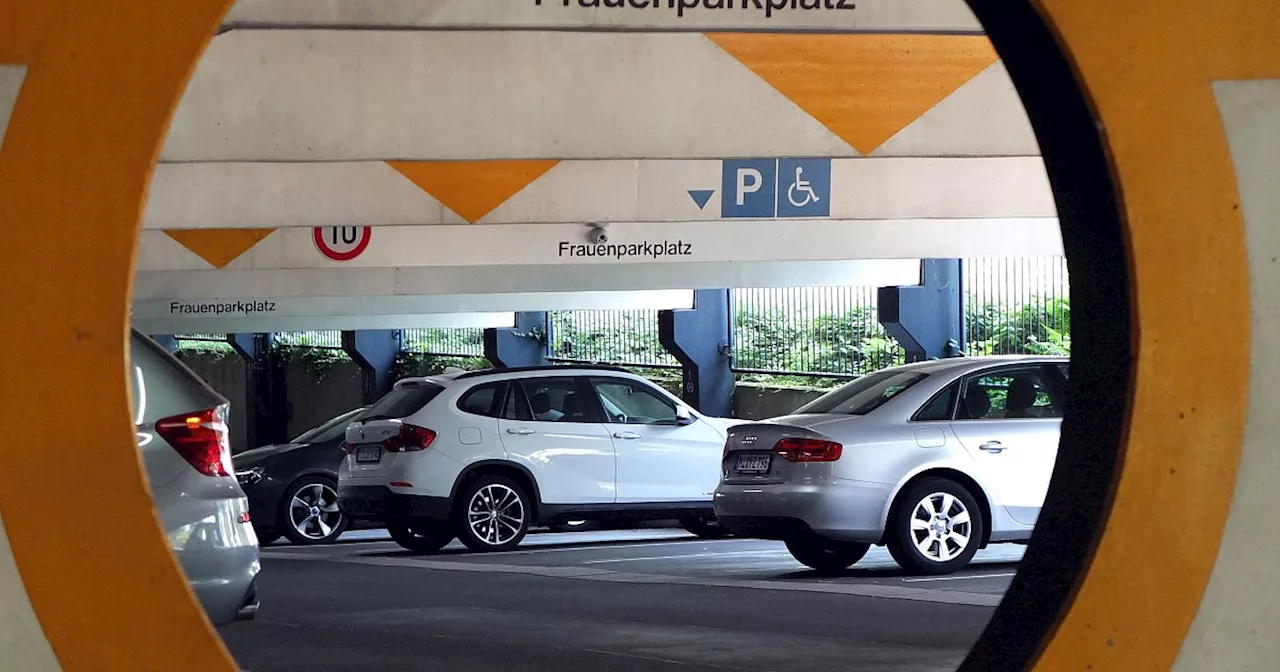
column 318, row 237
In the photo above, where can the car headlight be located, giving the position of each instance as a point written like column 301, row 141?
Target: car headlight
column 250, row 476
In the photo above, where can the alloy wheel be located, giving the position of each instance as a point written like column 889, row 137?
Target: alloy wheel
column 496, row 514
column 941, row 527
column 313, row 511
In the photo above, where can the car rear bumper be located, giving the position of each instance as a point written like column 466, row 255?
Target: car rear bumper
column 379, row 503
column 838, row 509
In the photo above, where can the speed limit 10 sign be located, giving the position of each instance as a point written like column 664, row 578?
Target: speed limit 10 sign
column 342, row 243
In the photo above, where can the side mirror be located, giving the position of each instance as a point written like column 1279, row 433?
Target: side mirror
column 684, row 416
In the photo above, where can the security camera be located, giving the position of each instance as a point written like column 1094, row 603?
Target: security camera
column 598, row 235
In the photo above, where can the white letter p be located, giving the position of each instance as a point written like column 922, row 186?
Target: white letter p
column 749, row 182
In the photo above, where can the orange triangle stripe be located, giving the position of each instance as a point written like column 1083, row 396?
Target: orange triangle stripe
column 473, row 189
column 865, row 88
column 219, row 247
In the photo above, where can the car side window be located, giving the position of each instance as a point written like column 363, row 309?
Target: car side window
column 626, row 402
column 517, row 405
column 1008, row 394
column 939, row 407
column 555, row 400
column 482, row 400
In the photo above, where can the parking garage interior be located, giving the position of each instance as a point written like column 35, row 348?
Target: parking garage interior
column 494, row 206
column 281, row 221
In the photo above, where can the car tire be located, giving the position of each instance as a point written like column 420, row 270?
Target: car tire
column 308, row 513
column 826, row 555
column 935, row 528
column 707, row 528
column 420, row 537
column 493, row 514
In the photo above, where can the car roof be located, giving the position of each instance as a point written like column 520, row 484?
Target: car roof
column 970, row 363
column 451, row 376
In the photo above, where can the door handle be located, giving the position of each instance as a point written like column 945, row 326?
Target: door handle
column 626, row 435
column 992, row 447
column 521, row 431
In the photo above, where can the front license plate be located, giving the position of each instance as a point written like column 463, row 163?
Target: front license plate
column 368, row 454
column 752, row 464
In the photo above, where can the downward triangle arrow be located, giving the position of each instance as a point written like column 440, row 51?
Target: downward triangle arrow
column 701, row 196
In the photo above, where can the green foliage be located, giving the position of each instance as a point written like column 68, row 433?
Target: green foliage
column 314, row 360
column 204, row 352
column 453, row 341
column 850, row 343
column 616, row 337
column 1038, row 327
column 413, row 364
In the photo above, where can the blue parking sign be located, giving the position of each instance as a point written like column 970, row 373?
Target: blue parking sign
column 749, row 188
column 804, row 188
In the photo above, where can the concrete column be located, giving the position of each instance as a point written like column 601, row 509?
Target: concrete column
column 265, row 408
column 375, row 353
column 525, row 344
column 928, row 320
column 166, row 341
column 699, row 339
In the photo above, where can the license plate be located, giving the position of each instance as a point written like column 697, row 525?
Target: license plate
column 752, row 464
column 370, row 453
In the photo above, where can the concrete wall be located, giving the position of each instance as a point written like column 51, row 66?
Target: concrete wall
column 314, row 398
column 758, row 402
column 228, row 375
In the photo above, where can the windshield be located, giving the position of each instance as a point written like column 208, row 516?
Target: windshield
column 402, row 401
column 318, row 434
column 863, row 395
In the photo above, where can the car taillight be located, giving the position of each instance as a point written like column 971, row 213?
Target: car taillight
column 725, row 455
column 410, row 438
column 808, row 450
column 347, row 448
column 201, row 438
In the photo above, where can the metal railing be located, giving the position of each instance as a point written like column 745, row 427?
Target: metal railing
column 444, row 342
column 621, row 337
column 810, row 331
column 1011, row 305
column 214, row 338
column 1017, row 306
column 314, row 339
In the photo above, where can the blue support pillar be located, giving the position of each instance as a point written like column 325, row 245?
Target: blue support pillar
column 525, row 344
column 928, row 320
column 699, row 339
column 265, row 409
column 166, row 341
column 375, row 353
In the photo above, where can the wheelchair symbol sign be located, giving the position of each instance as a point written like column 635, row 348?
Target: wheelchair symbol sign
column 804, row 188
column 766, row 188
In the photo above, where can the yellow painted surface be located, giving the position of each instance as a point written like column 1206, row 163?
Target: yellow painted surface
column 73, row 171
column 219, row 247
column 472, row 189
column 865, row 88
column 1148, row 68
column 109, row 596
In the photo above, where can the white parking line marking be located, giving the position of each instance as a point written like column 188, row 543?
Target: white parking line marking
column 959, row 578
column 581, row 573
column 367, row 547
column 687, row 555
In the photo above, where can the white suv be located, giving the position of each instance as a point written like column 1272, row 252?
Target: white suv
column 483, row 456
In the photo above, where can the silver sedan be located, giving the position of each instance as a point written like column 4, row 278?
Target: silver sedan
column 934, row 460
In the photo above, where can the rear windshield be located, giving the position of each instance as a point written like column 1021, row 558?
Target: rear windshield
column 329, row 430
column 402, row 401
column 863, row 395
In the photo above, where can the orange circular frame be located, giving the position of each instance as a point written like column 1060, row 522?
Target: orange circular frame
column 103, row 78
